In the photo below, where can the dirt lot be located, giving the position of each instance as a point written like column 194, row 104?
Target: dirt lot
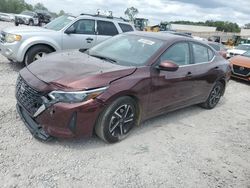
column 192, row 147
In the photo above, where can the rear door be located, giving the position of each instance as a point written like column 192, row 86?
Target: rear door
column 82, row 35
column 205, row 70
column 171, row 90
column 105, row 30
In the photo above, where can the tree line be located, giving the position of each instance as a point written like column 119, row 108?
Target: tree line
column 17, row 6
column 224, row 26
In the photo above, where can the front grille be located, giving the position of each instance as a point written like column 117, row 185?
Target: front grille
column 29, row 98
column 2, row 37
column 243, row 71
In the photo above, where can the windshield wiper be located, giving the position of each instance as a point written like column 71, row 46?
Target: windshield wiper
column 105, row 58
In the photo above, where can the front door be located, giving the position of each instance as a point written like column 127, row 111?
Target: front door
column 82, row 35
column 171, row 90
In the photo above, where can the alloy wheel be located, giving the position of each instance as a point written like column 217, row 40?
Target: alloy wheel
column 215, row 95
column 122, row 120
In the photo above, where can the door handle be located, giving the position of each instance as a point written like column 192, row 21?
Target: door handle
column 189, row 74
column 89, row 40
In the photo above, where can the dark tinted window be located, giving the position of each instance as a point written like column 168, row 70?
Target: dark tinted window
column 202, row 53
column 126, row 27
column 179, row 54
column 106, row 28
column 84, row 27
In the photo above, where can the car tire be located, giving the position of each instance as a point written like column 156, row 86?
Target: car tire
column 214, row 96
column 31, row 22
column 16, row 24
column 117, row 120
column 35, row 53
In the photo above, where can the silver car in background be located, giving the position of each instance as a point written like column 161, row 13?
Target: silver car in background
column 27, row 44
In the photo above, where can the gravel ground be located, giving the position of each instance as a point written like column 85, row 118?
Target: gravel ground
column 191, row 147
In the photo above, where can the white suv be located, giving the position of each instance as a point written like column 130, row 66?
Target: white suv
column 27, row 44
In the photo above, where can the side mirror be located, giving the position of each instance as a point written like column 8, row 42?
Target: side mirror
column 70, row 30
column 168, row 66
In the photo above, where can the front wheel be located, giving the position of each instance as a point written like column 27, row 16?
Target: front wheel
column 116, row 122
column 35, row 53
column 214, row 96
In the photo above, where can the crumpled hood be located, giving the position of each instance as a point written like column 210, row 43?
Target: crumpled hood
column 73, row 69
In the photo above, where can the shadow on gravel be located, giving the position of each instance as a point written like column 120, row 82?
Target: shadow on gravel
column 15, row 66
column 241, row 81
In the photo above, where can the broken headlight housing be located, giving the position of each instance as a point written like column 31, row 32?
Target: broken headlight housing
column 77, row 96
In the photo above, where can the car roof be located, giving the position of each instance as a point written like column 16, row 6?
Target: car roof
column 162, row 36
column 104, row 18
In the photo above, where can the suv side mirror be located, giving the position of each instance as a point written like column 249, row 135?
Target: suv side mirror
column 70, row 30
column 168, row 66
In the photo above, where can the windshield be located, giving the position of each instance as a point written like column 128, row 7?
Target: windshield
column 59, row 23
column 243, row 47
column 247, row 54
column 127, row 50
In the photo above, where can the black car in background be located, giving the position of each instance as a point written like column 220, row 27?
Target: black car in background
column 38, row 17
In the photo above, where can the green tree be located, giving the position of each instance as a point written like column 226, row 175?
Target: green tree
column 61, row 13
column 40, row 6
column 14, row 6
column 131, row 12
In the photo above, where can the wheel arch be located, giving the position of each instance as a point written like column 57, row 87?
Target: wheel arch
column 28, row 44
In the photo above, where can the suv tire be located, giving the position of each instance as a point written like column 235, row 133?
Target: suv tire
column 35, row 53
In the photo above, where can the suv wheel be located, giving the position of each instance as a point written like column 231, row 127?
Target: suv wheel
column 35, row 53
column 214, row 96
column 31, row 22
column 117, row 120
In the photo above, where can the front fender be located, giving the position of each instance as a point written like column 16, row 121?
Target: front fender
column 35, row 41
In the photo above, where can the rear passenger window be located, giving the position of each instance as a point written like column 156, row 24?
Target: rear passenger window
column 125, row 27
column 106, row 28
column 202, row 53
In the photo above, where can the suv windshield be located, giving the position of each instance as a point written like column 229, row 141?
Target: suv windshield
column 59, row 23
column 243, row 47
column 127, row 50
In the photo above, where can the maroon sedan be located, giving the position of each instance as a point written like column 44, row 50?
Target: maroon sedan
column 117, row 84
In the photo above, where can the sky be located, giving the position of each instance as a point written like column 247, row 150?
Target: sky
column 160, row 10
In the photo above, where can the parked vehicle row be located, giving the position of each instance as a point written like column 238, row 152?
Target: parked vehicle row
column 66, row 32
column 7, row 17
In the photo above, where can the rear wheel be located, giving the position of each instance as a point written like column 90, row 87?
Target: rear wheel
column 214, row 96
column 35, row 53
column 116, row 122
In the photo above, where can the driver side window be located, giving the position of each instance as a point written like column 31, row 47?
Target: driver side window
column 178, row 53
column 83, row 27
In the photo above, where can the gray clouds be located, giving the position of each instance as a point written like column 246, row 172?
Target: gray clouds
column 160, row 10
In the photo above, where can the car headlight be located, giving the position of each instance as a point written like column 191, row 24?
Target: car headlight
column 12, row 38
column 74, row 97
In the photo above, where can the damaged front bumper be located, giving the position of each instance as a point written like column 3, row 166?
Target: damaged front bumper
column 35, row 129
